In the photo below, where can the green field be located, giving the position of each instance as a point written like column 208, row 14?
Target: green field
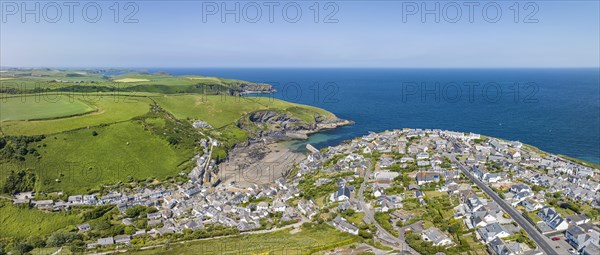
column 28, row 81
column 36, row 107
column 111, row 109
column 220, row 110
column 309, row 240
column 216, row 110
column 81, row 161
column 19, row 222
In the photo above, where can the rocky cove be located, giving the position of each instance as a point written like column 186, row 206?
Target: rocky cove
column 264, row 157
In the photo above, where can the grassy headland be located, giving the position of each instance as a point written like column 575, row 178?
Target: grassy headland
column 93, row 130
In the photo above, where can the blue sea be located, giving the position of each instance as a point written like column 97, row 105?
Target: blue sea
column 557, row 110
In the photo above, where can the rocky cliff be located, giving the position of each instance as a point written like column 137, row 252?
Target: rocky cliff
column 276, row 125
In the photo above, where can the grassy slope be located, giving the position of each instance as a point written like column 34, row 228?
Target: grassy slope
column 220, row 111
column 216, row 110
column 279, row 242
column 69, row 157
column 111, row 109
column 32, row 107
column 19, row 222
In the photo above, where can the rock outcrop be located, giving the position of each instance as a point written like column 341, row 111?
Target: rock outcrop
column 273, row 125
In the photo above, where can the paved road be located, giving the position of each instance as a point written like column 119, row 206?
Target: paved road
column 529, row 228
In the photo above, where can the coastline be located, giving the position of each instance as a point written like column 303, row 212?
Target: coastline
column 323, row 138
column 304, row 134
column 269, row 158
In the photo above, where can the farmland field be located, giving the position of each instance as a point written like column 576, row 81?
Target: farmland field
column 34, row 107
column 127, row 80
column 110, row 109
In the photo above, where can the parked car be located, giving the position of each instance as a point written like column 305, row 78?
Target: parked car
column 572, row 251
column 556, row 238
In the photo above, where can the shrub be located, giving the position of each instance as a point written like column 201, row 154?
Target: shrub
column 59, row 238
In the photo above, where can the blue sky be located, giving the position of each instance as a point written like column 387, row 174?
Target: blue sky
column 367, row 34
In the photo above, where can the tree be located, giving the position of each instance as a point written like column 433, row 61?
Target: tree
column 348, row 213
column 537, row 188
column 141, row 223
column 18, row 182
column 36, row 241
column 97, row 212
column 102, row 224
column 139, row 210
column 116, row 230
column 59, row 238
column 129, row 230
column 77, row 246
column 94, row 133
column 24, row 248
column 454, row 228
column 172, row 140
column 556, row 194
column 365, row 234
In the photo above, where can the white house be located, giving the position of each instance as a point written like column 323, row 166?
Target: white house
column 343, row 225
column 578, row 238
column 437, row 237
column 492, row 231
column 519, row 187
column 278, row 206
column 553, row 219
column 262, row 206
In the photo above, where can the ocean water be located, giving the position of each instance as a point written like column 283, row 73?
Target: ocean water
column 557, row 110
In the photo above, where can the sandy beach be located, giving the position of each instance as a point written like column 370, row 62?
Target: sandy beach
column 258, row 164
